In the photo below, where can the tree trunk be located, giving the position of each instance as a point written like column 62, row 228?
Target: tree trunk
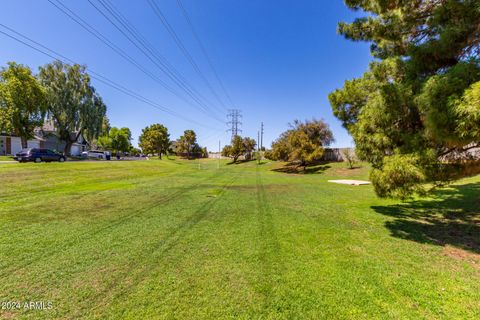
column 24, row 142
column 160, row 155
column 68, row 146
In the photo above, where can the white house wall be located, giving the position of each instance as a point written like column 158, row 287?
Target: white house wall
column 16, row 145
column 33, row 144
column 76, row 150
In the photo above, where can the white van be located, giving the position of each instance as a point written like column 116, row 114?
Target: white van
column 97, row 154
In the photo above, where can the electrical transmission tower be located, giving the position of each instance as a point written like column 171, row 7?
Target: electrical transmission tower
column 234, row 116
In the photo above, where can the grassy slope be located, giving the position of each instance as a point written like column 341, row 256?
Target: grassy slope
column 163, row 239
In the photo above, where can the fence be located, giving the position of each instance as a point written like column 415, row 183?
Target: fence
column 335, row 154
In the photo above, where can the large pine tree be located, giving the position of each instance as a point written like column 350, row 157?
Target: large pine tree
column 415, row 114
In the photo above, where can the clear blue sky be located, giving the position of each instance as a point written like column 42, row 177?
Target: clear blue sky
column 278, row 59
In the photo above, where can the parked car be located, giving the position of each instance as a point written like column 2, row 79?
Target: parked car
column 98, row 154
column 39, row 155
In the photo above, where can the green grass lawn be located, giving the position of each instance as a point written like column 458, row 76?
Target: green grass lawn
column 6, row 158
column 182, row 240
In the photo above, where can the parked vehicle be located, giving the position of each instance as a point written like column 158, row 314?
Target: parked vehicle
column 39, row 155
column 98, row 154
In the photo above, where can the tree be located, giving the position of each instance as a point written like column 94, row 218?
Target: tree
column 121, row 139
column 240, row 146
column 22, row 102
column 103, row 141
column 135, row 151
column 187, row 143
column 304, row 143
column 73, row 104
column 415, row 112
column 226, row 151
column 105, row 127
column 349, row 156
column 155, row 139
column 249, row 145
column 116, row 139
column 235, row 150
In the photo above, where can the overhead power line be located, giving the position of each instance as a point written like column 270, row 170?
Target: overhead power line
column 89, row 28
column 204, row 51
column 158, row 12
column 126, row 29
column 57, row 56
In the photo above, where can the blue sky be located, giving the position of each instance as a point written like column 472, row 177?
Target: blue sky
column 278, row 59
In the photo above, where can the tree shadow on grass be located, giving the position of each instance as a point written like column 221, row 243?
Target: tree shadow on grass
column 452, row 218
column 239, row 161
column 295, row 169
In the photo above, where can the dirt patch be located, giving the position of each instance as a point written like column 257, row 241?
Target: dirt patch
column 458, row 254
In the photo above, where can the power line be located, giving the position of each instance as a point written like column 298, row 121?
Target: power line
column 204, row 51
column 154, row 56
column 85, row 25
column 55, row 55
column 234, row 115
column 158, row 12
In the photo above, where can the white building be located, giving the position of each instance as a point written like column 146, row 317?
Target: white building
column 11, row 145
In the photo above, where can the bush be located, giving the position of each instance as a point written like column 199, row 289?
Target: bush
column 400, row 177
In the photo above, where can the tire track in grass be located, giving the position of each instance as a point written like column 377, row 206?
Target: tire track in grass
column 156, row 250
column 46, row 255
column 271, row 265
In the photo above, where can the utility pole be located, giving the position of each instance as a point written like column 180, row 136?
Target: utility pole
column 219, row 155
column 234, row 116
column 258, row 140
column 261, row 139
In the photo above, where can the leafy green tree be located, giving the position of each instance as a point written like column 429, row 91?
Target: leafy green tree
column 348, row 155
column 226, row 151
column 103, row 142
column 239, row 147
column 73, row 104
column 22, row 102
column 106, row 127
column 235, row 150
column 135, row 151
column 155, row 139
column 121, row 139
column 249, row 145
column 415, row 113
column 304, row 143
column 187, row 143
column 118, row 140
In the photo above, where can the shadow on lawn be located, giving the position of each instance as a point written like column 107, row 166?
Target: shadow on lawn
column 295, row 169
column 452, row 218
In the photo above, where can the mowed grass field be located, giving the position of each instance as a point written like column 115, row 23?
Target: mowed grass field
column 176, row 239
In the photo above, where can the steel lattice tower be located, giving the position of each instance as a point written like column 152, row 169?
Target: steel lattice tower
column 234, row 116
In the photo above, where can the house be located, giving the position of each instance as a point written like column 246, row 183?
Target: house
column 44, row 137
column 53, row 142
column 11, row 145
